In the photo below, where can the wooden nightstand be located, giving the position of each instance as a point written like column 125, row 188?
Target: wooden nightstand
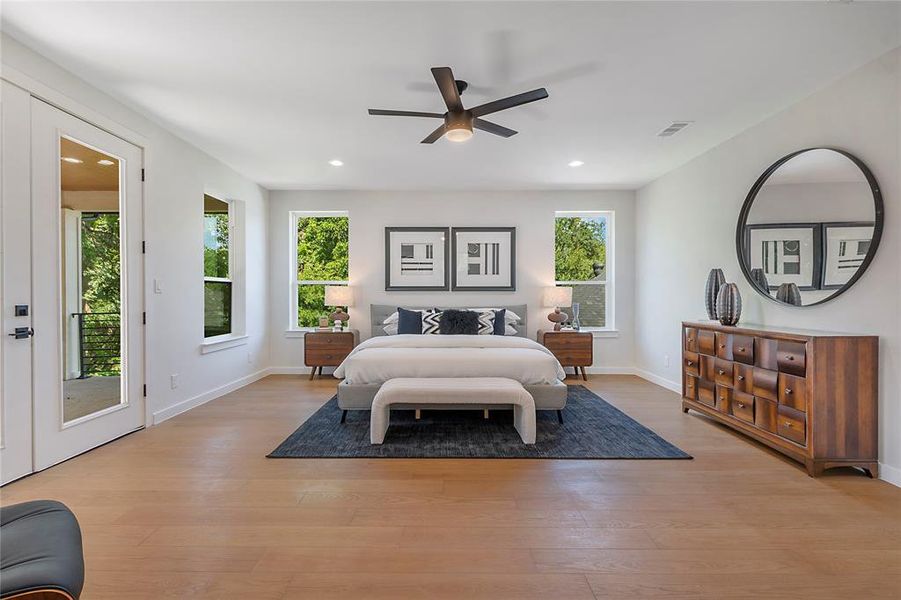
column 572, row 348
column 327, row 348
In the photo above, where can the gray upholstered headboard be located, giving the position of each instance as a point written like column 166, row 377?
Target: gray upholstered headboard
column 379, row 312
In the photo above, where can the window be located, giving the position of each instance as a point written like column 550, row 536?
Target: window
column 320, row 243
column 217, row 267
column 583, row 260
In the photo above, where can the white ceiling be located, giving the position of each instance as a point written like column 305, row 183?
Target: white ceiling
column 276, row 90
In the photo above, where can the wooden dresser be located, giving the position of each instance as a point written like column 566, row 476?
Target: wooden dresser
column 810, row 395
column 327, row 348
column 572, row 348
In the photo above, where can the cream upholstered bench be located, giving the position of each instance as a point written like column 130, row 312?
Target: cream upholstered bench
column 480, row 391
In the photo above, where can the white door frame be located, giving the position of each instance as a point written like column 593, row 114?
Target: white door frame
column 54, row 439
column 15, row 283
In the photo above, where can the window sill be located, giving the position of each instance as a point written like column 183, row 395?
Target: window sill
column 602, row 333
column 222, row 342
column 299, row 332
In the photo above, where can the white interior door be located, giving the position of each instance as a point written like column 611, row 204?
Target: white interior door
column 15, row 284
column 87, row 285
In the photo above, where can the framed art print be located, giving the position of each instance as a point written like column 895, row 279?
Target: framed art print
column 416, row 259
column 845, row 247
column 484, row 259
column 787, row 253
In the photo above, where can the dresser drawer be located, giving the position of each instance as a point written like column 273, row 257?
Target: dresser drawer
column 792, row 358
column 724, row 345
column 691, row 387
column 724, row 372
column 793, row 391
column 690, row 339
column 329, row 340
column 766, row 383
column 328, row 358
column 573, row 357
column 765, row 414
column 765, row 353
column 706, row 342
column 690, row 363
column 743, row 406
column 743, row 349
column 708, row 368
column 743, row 378
column 792, row 424
column 723, row 399
column 707, row 392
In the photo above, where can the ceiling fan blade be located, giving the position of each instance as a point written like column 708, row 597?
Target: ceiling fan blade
column 435, row 135
column 444, row 77
column 404, row 113
column 510, row 102
column 493, row 128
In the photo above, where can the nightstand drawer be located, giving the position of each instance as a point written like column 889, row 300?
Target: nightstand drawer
column 571, row 348
column 329, row 340
column 324, row 357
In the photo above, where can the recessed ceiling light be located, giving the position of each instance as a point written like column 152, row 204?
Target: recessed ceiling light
column 105, row 162
column 576, row 163
column 335, row 162
column 69, row 159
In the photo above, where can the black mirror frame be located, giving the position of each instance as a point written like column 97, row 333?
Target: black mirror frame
column 879, row 221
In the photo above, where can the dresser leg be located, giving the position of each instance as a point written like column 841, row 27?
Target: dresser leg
column 560, row 416
column 872, row 470
column 343, row 416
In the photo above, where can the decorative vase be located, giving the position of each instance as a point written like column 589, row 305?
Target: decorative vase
column 728, row 304
column 576, row 325
column 715, row 281
column 789, row 294
column 758, row 278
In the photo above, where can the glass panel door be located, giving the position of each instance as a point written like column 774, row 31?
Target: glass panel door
column 87, row 285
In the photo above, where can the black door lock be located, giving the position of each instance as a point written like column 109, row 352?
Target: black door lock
column 22, row 333
column 21, row 310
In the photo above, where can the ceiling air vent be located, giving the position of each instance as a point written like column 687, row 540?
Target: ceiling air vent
column 674, row 128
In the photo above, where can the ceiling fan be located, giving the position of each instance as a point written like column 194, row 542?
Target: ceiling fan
column 458, row 121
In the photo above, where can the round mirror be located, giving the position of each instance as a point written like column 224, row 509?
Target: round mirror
column 809, row 227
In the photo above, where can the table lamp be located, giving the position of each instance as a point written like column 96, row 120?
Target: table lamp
column 557, row 296
column 339, row 296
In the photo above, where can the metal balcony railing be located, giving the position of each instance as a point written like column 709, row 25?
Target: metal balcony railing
column 99, row 338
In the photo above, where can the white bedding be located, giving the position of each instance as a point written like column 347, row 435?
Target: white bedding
column 379, row 359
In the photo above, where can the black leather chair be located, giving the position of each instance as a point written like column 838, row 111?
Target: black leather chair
column 40, row 552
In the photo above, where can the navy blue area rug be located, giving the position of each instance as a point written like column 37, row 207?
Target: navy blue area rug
column 592, row 429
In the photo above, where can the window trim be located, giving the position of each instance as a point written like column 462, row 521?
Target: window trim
column 609, row 330
column 295, row 283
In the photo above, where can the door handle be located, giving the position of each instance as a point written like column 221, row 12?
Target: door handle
column 22, row 333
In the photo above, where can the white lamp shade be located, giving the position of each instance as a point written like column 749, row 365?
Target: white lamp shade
column 339, row 295
column 557, row 296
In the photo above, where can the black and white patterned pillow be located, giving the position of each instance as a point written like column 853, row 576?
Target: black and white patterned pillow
column 486, row 322
column 430, row 322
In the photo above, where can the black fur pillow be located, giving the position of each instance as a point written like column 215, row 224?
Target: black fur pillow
column 459, row 322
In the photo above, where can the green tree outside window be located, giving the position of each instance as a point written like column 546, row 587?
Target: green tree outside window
column 322, row 244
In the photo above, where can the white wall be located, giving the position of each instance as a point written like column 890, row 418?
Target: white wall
column 177, row 176
column 532, row 213
column 688, row 220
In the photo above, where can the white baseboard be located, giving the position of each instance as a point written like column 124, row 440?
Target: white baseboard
column 297, row 371
column 658, row 380
column 610, row 370
column 890, row 474
column 185, row 405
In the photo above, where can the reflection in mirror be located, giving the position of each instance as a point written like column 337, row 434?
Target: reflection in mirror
column 90, row 280
column 810, row 226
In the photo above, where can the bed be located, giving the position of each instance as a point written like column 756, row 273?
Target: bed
column 384, row 357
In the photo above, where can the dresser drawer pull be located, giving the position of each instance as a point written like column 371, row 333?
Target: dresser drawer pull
column 690, row 340
column 720, row 371
column 788, row 391
column 790, row 357
column 689, row 362
column 741, row 405
column 722, row 345
column 741, row 377
column 741, row 348
column 787, row 424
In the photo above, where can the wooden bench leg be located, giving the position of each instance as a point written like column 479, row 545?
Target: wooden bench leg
column 560, row 416
column 418, row 414
column 485, row 414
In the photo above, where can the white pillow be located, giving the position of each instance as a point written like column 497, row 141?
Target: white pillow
column 390, row 329
column 509, row 330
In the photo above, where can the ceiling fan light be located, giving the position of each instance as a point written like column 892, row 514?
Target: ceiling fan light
column 460, row 134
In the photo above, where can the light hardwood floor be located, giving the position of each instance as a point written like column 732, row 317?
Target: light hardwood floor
column 193, row 509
